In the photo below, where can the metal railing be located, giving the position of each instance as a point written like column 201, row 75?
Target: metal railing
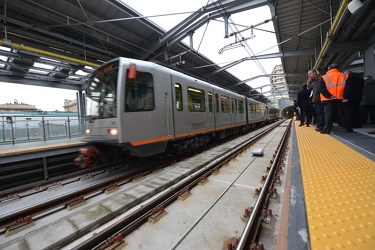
column 23, row 128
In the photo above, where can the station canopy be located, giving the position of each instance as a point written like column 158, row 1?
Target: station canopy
column 57, row 43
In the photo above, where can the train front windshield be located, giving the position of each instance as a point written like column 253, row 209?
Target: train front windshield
column 101, row 93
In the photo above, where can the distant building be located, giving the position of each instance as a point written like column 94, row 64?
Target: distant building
column 17, row 107
column 70, row 105
column 278, row 82
column 279, row 89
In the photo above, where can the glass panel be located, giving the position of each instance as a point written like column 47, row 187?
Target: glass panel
column 139, row 94
column 196, row 100
column 240, row 105
column 210, row 102
column 225, row 104
column 252, row 108
column 217, row 103
column 102, row 92
column 178, row 90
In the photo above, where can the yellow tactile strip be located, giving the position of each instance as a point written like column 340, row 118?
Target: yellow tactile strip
column 339, row 187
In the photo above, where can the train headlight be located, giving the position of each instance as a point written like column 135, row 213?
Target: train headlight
column 112, row 131
column 88, row 131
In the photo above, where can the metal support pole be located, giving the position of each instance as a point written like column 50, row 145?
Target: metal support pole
column 27, row 130
column 48, row 132
column 191, row 33
column 12, row 127
column 70, row 135
column 44, row 129
column 45, row 168
column 3, row 125
column 226, row 26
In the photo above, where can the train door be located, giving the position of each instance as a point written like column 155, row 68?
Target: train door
column 179, row 107
column 168, row 114
column 224, row 118
column 239, row 106
column 234, row 106
column 210, row 111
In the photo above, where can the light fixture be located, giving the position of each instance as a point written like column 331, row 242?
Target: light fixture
column 354, row 6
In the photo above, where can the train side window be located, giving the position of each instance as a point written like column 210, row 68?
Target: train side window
column 217, row 103
column 232, row 105
column 225, row 104
column 178, row 97
column 240, row 105
column 252, row 108
column 210, row 102
column 236, row 105
column 196, row 100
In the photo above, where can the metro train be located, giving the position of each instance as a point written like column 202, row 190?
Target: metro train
column 146, row 109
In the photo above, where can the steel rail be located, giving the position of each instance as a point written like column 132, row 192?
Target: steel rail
column 131, row 221
column 63, row 200
column 251, row 228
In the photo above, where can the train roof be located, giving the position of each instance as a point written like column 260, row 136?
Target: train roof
column 175, row 71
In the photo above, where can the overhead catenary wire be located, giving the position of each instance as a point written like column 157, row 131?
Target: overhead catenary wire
column 242, row 39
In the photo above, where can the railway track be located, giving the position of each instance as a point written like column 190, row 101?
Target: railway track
column 23, row 171
column 134, row 193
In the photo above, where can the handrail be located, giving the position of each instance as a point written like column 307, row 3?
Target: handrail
column 24, row 128
column 23, row 47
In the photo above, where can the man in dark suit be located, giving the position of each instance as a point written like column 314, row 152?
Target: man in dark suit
column 352, row 98
column 303, row 103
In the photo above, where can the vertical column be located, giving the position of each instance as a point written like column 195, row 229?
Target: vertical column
column 81, row 108
column 80, row 103
column 369, row 62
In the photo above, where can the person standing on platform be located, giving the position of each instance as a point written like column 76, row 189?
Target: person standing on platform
column 368, row 102
column 317, row 104
column 297, row 110
column 303, row 103
column 352, row 98
column 331, row 88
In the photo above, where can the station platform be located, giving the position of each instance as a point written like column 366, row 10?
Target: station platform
column 332, row 189
column 25, row 150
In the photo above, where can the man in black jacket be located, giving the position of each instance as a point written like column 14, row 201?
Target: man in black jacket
column 352, row 98
column 303, row 103
column 368, row 102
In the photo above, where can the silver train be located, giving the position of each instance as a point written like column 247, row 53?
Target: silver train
column 146, row 109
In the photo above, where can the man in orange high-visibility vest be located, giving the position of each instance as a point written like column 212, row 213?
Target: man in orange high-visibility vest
column 331, row 88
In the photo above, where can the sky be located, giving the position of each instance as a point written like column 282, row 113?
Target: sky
column 208, row 40
column 44, row 98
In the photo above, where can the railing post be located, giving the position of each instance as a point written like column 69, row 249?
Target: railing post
column 44, row 129
column 66, row 128
column 3, row 125
column 12, row 129
column 45, row 168
column 48, row 133
column 70, row 136
column 27, row 130
column 83, row 125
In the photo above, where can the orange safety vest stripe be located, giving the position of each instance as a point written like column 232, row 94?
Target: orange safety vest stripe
column 335, row 83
